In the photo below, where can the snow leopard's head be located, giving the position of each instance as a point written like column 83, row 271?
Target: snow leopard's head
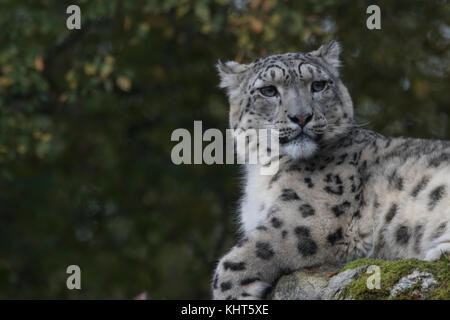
column 298, row 94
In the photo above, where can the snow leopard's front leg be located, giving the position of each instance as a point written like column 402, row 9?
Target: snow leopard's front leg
column 251, row 267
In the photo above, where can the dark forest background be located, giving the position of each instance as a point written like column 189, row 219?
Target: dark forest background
column 86, row 118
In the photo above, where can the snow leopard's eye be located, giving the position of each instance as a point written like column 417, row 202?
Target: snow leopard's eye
column 318, row 86
column 268, row 91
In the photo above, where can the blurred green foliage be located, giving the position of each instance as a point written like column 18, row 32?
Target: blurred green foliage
column 86, row 118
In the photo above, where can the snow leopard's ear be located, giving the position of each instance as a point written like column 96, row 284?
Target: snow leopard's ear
column 329, row 52
column 230, row 73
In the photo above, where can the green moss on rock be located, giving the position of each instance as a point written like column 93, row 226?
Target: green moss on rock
column 391, row 273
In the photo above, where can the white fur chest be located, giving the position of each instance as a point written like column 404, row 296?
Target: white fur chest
column 252, row 211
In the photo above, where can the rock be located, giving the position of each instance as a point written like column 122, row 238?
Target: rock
column 367, row 279
column 424, row 280
column 305, row 284
column 337, row 283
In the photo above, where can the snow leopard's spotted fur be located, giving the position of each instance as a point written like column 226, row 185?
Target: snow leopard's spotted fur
column 341, row 192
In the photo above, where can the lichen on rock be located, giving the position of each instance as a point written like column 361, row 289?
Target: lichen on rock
column 398, row 280
column 425, row 280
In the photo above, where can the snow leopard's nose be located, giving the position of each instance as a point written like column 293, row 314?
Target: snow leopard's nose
column 302, row 120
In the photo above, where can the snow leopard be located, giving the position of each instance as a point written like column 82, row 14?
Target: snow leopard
column 341, row 192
